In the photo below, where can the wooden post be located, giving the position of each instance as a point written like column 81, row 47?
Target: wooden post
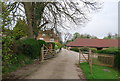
column 113, row 60
column 79, row 56
column 90, row 61
column 89, row 57
column 42, row 54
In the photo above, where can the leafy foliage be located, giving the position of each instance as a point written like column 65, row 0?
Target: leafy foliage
column 10, row 60
column 7, row 53
column 58, row 45
column 53, row 44
column 29, row 47
column 83, row 49
column 20, row 29
column 75, row 49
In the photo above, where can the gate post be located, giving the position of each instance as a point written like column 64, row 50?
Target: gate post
column 90, row 60
column 79, row 56
column 42, row 54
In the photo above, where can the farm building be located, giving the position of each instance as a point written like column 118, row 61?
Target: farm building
column 94, row 43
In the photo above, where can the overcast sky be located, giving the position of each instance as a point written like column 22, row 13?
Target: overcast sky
column 103, row 22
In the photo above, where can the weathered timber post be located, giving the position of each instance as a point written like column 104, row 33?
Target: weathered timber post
column 113, row 60
column 90, row 60
column 79, row 56
column 89, row 56
column 42, row 54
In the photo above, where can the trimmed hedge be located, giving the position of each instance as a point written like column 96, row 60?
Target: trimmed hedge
column 84, row 49
column 29, row 47
column 75, row 49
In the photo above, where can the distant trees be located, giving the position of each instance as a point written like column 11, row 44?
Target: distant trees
column 84, row 36
column 77, row 35
column 112, row 36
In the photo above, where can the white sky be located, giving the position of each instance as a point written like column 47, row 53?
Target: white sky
column 103, row 22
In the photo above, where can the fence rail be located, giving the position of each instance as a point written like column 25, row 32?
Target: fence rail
column 98, row 59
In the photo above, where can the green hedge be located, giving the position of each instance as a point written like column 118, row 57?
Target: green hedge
column 84, row 49
column 109, row 51
column 30, row 47
column 75, row 49
column 53, row 44
column 58, row 45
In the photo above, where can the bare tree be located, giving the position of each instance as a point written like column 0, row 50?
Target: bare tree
column 54, row 14
column 67, row 36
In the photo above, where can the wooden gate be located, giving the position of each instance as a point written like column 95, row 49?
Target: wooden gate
column 46, row 53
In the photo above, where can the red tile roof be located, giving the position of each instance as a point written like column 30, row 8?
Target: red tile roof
column 94, row 43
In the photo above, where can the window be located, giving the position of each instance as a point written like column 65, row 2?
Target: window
column 43, row 35
column 52, row 40
column 41, row 38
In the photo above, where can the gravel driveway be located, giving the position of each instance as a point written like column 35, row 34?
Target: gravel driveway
column 63, row 66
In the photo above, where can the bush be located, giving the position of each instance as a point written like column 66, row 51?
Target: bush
column 16, row 62
column 109, row 51
column 29, row 47
column 41, row 42
column 94, row 50
column 58, row 45
column 7, row 52
column 53, row 44
column 84, row 49
column 10, row 59
column 75, row 49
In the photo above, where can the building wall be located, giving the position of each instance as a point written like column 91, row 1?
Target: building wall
column 46, row 38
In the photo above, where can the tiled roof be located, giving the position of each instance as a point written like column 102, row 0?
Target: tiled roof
column 94, row 43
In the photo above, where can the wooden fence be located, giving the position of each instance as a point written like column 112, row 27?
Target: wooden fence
column 97, row 59
column 103, row 59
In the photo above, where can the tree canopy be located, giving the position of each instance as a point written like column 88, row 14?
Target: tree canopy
column 43, row 15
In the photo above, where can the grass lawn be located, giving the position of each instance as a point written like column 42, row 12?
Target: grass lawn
column 98, row 72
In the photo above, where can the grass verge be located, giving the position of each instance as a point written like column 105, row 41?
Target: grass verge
column 99, row 72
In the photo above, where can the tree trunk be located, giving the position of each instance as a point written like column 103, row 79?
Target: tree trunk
column 28, row 11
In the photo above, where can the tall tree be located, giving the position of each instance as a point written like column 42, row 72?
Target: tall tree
column 39, row 14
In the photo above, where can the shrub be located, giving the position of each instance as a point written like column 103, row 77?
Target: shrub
column 94, row 50
column 7, row 52
column 29, row 47
column 53, row 44
column 10, row 59
column 75, row 49
column 58, row 45
column 41, row 42
column 84, row 49
column 16, row 62
column 109, row 51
